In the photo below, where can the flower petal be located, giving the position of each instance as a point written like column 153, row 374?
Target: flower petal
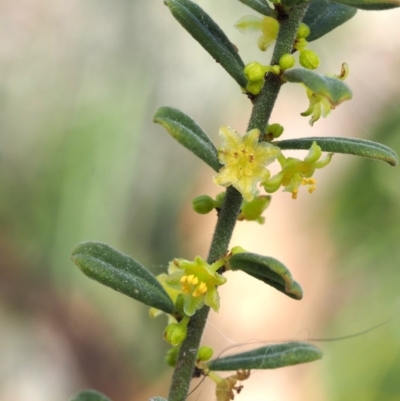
column 249, row 23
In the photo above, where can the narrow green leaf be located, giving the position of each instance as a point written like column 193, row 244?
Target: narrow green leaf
column 290, row 3
column 269, row 357
column 376, row 5
column 333, row 89
column 268, row 270
column 324, row 16
column 200, row 25
column 89, row 395
column 122, row 273
column 351, row 146
column 188, row 134
column 260, row 6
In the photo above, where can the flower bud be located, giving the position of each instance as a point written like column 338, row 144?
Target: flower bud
column 203, row 204
column 300, row 44
column 254, row 87
column 172, row 356
column 309, row 59
column 219, row 200
column 175, row 333
column 303, row 31
column 205, row 353
column 286, row 61
column 237, row 249
column 276, row 130
column 275, row 69
column 254, row 71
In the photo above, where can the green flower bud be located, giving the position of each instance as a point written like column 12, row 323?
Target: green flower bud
column 205, row 353
column 175, row 333
column 172, row 356
column 300, row 44
column 287, row 61
column 303, row 31
column 275, row 130
column 203, row 204
column 237, row 249
column 254, row 71
column 219, row 199
column 275, row 69
column 309, row 59
column 254, row 87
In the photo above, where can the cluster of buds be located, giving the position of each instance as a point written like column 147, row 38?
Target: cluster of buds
column 307, row 58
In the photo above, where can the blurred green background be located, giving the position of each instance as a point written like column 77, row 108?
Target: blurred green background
column 81, row 159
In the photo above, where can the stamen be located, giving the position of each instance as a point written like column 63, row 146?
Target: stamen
column 200, row 290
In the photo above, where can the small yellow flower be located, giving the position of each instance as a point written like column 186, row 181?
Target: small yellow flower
column 198, row 281
column 320, row 104
column 296, row 172
column 245, row 161
column 267, row 25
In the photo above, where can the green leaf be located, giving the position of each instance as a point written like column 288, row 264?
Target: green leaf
column 260, row 6
column 200, row 25
column 333, row 89
column 324, row 16
column 290, row 3
column 89, row 395
column 376, row 5
column 188, row 134
column 269, row 357
column 351, row 146
column 268, row 270
column 157, row 398
column 122, row 273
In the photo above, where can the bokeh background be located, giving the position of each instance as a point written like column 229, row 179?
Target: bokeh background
column 80, row 159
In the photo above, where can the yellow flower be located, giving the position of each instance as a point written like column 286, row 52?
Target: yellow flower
column 245, row 161
column 267, row 25
column 319, row 105
column 198, row 281
column 296, row 172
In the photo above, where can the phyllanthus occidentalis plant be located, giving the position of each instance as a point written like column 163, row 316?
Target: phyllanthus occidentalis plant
column 189, row 288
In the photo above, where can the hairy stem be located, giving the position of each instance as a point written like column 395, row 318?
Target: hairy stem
column 265, row 101
column 231, row 207
column 187, row 354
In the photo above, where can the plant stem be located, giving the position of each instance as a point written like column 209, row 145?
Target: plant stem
column 265, row 101
column 188, row 352
column 231, row 207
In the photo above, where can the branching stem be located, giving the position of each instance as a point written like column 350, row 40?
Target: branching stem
column 227, row 218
